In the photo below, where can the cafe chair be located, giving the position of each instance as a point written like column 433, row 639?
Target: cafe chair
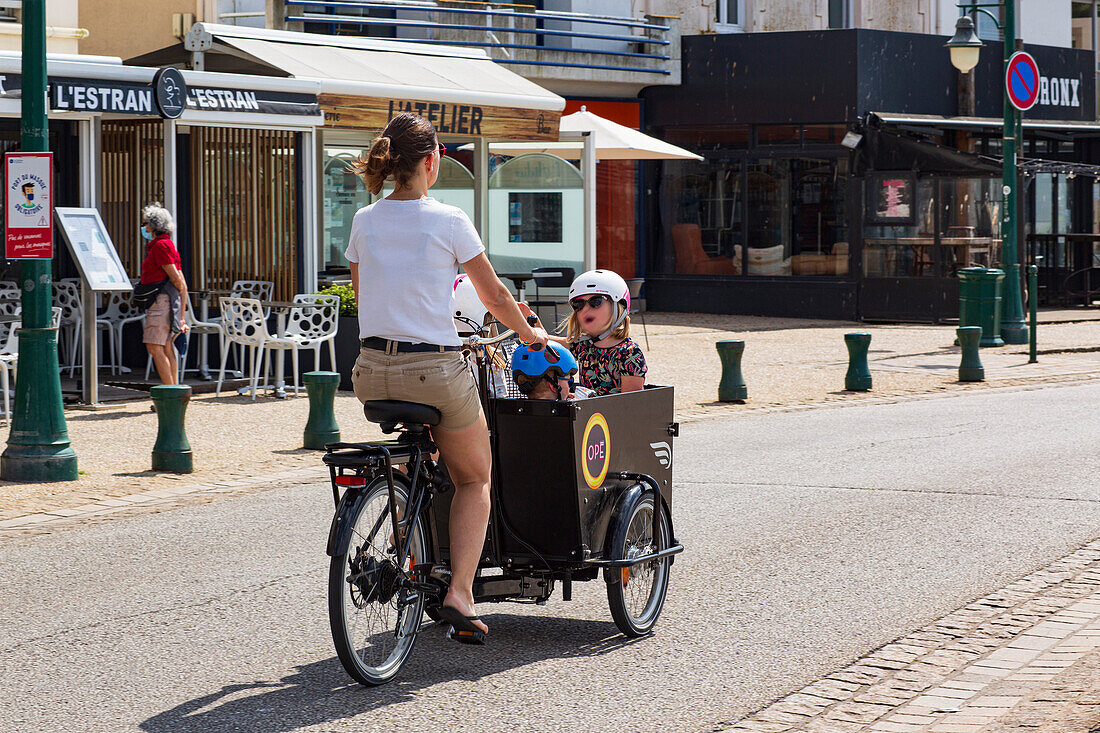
column 245, row 325
column 119, row 311
column 634, row 285
column 551, row 277
column 258, row 290
column 67, row 297
column 312, row 327
column 9, row 356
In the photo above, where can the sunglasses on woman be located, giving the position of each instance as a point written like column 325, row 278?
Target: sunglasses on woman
column 595, row 302
column 442, row 150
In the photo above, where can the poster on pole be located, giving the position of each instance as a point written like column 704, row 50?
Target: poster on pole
column 28, row 206
column 92, row 249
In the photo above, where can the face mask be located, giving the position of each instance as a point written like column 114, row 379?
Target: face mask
column 145, row 234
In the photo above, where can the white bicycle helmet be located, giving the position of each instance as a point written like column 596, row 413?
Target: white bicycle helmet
column 603, row 282
column 469, row 311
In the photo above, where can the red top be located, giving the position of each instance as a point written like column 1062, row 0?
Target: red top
column 161, row 252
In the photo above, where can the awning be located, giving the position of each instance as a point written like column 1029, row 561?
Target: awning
column 960, row 123
column 366, row 81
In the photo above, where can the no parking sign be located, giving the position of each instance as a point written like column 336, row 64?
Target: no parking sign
column 1022, row 81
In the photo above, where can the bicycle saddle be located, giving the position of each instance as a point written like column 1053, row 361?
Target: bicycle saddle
column 395, row 411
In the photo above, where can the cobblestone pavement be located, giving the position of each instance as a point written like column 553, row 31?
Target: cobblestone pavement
column 1024, row 658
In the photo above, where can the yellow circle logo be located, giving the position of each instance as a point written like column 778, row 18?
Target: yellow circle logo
column 597, row 451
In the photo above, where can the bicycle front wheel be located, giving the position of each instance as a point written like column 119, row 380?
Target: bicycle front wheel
column 374, row 620
column 636, row 594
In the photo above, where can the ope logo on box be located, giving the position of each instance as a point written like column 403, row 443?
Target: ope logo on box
column 597, row 451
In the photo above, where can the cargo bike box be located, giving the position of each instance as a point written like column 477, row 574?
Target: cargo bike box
column 561, row 469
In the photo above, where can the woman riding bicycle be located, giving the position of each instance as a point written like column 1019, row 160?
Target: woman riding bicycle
column 404, row 252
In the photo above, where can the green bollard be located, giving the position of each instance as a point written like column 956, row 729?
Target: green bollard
column 858, row 378
column 732, row 387
column 172, row 452
column 970, row 368
column 321, row 427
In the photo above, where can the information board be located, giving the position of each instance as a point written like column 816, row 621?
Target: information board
column 28, row 205
column 92, row 249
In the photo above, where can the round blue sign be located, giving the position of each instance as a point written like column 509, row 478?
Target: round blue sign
column 1022, row 80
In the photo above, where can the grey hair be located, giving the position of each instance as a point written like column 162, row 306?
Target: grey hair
column 158, row 218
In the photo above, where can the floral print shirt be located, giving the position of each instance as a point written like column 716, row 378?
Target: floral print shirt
column 602, row 369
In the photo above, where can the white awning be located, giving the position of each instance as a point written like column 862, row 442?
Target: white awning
column 381, row 68
column 1081, row 126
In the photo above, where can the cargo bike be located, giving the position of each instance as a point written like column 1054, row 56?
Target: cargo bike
column 578, row 489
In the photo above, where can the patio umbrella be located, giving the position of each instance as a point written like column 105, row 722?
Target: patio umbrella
column 613, row 142
column 619, row 142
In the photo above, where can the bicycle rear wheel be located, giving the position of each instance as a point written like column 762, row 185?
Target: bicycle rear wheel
column 374, row 621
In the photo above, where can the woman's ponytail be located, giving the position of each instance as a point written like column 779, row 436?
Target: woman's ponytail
column 377, row 166
column 407, row 140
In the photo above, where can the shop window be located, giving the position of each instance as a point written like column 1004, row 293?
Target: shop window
column 819, row 223
column 768, row 195
column 534, row 217
column 970, row 225
column 823, row 134
column 344, row 194
column 778, row 135
column 455, row 185
column 702, row 209
column 900, row 235
column 729, row 137
column 536, row 214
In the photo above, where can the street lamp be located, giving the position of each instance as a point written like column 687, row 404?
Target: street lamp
column 964, row 48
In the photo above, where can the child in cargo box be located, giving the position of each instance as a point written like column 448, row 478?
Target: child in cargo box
column 544, row 376
column 598, row 334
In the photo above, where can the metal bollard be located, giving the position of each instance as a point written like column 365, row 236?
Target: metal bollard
column 321, row 427
column 970, row 368
column 858, row 378
column 172, row 452
column 732, row 386
column 1033, row 307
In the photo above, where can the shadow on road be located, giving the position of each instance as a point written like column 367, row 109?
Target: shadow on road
column 322, row 691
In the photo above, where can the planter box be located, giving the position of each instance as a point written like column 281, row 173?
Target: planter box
column 347, row 348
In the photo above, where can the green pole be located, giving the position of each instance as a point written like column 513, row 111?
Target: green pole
column 38, row 443
column 1013, row 329
column 731, row 387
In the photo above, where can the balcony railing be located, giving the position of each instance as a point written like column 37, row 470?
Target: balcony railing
column 513, row 34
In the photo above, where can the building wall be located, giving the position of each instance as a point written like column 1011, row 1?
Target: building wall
column 128, row 28
column 61, row 15
column 1044, row 22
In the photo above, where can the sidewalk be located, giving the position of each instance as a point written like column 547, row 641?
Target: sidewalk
column 788, row 364
column 1023, row 659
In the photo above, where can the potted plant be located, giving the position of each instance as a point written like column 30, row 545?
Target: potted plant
column 347, row 336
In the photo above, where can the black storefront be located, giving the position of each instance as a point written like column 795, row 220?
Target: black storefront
column 786, row 216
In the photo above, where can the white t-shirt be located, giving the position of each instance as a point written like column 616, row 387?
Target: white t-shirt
column 408, row 254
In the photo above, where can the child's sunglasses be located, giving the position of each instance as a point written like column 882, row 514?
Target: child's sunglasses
column 595, row 301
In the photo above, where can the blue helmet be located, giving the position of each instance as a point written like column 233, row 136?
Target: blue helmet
column 534, row 365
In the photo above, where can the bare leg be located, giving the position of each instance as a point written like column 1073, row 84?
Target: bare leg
column 166, row 367
column 469, row 460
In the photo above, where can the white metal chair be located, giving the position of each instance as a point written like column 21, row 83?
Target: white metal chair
column 119, row 311
column 257, row 289
column 203, row 328
column 245, row 325
column 66, row 296
column 9, row 356
column 312, row 327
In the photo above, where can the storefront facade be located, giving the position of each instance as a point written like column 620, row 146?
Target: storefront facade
column 786, row 216
column 232, row 166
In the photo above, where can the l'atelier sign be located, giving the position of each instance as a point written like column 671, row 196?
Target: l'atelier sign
column 473, row 120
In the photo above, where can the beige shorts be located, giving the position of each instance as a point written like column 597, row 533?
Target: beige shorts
column 442, row 380
column 157, row 329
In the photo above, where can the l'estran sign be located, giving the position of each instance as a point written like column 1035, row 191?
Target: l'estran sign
column 467, row 120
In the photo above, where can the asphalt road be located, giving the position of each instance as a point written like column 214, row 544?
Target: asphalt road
column 813, row 537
